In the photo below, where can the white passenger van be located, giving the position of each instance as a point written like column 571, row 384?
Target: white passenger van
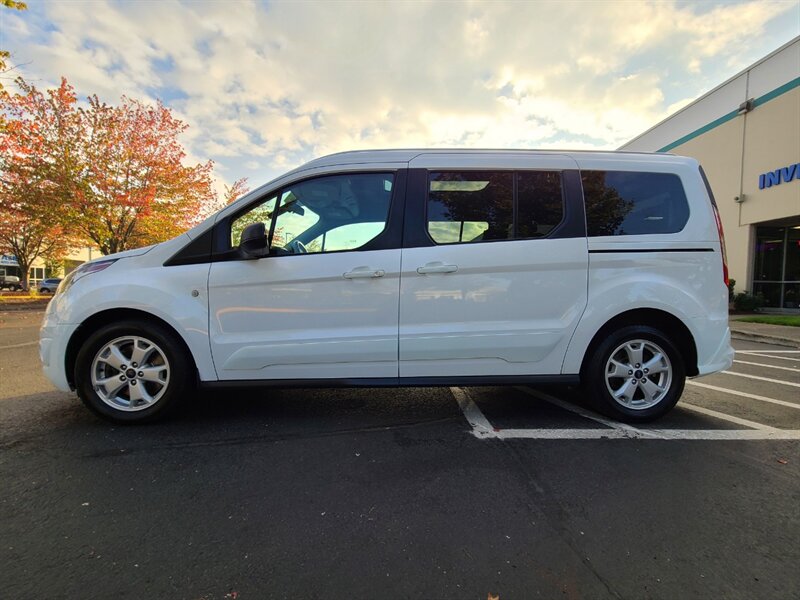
column 415, row 268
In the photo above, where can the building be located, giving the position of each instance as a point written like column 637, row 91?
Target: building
column 746, row 135
column 39, row 270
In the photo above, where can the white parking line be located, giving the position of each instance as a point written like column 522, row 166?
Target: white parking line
column 768, row 351
column 18, row 345
column 483, row 429
column 652, row 434
column 744, row 362
column 756, row 377
column 725, row 417
column 743, row 394
column 770, row 356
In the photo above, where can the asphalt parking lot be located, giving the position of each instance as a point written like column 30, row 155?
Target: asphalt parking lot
column 402, row 493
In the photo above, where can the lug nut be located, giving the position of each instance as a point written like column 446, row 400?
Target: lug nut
column 644, row 380
column 123, row 367
column 647, row 370
column 133, row 382
column 638, row 365
column 141, row 374
column 633, row 381
column 134, row 365
column 630, row 372
column 122, row 378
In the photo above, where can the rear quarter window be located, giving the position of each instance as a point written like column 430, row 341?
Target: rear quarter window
column 633, row 203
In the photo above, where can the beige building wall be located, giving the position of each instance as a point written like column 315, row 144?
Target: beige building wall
column 743, row 128
column 772, row 141
column 720, row 153
column 733, row 156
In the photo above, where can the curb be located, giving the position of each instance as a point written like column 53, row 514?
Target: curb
column 765, row 339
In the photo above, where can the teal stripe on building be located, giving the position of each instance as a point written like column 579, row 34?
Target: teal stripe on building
column 760, row 101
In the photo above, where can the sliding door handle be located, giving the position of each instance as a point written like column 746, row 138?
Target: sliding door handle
column 437, row 267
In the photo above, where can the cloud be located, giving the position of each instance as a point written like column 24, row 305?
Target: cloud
column 273, row 85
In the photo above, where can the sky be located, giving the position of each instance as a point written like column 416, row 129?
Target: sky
column 267, row 86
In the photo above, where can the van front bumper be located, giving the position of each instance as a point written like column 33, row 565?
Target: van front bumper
column 53, row 340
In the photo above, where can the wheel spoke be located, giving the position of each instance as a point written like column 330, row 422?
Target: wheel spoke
column 115, row 357
column 620, row 370
column 656, row 364
column 154, row 374
column 651, row 391
column 111, row 385
column 635, row 350
column 141, row 353
column 625, row 392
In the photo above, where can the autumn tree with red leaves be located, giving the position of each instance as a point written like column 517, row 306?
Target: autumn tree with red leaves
column 137, row 190
column 40, row 165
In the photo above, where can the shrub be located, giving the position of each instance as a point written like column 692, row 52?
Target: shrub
column 745, row 301
column 731, row 286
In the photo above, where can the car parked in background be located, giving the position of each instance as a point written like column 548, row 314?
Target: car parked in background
column 10, row 282
column 49, row 286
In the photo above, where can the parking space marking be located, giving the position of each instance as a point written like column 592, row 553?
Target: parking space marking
column 745, row 362
column 756, row 377
column 744, row 394
column 483, row 429
column 19, row 345
column 725, row 417
column 768, row 351
column 578, row 410
column 651, row 434
column 770, row 356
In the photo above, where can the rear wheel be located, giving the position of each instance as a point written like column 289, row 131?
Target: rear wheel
column 636, row 374
column 132, row 372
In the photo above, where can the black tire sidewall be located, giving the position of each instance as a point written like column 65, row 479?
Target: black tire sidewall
column 595, row 384
column 181, row 368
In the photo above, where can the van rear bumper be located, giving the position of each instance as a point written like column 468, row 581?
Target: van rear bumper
column 718, row 360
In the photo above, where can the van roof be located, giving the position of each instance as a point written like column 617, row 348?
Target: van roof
column 406, row 155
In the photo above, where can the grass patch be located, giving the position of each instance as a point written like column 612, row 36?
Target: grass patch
column 788, row 320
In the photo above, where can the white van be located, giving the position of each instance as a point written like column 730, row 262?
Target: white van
column 415, row 268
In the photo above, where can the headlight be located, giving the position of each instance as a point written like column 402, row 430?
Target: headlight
column 83, row 271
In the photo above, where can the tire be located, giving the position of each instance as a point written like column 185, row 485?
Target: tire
column 623, row 357
column 138, row 394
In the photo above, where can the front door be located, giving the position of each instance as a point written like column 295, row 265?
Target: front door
column 324, row 302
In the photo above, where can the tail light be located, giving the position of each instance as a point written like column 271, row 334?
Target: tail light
column 720, row 232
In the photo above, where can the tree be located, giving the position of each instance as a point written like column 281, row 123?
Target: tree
column 235, row 191
column 5, row 54
column 39, row 164
column 137, row 190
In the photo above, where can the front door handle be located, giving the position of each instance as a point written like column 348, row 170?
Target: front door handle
column 364, row 273
column 437, row 267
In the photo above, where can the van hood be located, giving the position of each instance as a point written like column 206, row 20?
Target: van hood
column 128, row 253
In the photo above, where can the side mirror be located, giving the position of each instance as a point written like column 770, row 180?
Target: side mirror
column 253, row 242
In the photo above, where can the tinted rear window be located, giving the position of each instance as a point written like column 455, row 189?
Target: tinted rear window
column 633, row 203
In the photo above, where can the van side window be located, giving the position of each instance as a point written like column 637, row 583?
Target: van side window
column 541, row 203
column 470, row 206
column 261, row 213
column 332, row 213
column 479, row 206
column 633, row 203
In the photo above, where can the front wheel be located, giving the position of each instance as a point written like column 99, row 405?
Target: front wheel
column 636, row 374
column 132, row 372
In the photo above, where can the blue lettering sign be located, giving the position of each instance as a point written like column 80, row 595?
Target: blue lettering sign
column 785, row 174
